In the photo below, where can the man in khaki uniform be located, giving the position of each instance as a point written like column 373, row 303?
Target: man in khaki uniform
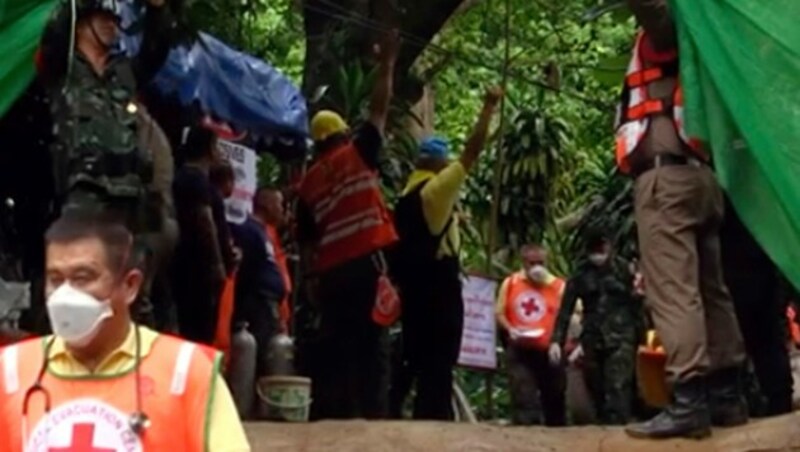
column 679, row 209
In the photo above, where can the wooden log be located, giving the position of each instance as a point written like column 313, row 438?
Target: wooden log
column 781, row 433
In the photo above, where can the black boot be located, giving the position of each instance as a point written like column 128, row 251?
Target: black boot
column 687, row 416
column 727, row 401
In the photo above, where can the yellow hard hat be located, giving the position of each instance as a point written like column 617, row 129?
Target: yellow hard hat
column 327, row 123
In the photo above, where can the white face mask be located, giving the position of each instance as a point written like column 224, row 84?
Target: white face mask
column 598, row 259
column 75, row 315
column 537, row 274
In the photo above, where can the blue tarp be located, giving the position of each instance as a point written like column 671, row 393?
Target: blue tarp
column 230, row 85
column 234, row 87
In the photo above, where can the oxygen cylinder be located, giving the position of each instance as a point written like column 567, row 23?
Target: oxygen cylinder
column 242, row 370
column 280, row 355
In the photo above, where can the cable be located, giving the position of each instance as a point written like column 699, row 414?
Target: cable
column 71, row 52
column 138, row 422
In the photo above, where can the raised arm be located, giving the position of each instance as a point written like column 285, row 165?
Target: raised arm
column 382, row 91
column 477, row 141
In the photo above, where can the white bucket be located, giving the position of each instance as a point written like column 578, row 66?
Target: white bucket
column 284, row 398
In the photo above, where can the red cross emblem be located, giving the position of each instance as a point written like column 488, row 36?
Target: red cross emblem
column 529, row 306
column 82, row 440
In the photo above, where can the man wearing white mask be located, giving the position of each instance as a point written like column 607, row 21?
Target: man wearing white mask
column 527, row 306
column 102, row 383
column 609, row 331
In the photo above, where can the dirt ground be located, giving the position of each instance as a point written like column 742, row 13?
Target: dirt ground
column 781, row 433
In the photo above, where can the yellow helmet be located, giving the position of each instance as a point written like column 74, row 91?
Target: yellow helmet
column 327, row 123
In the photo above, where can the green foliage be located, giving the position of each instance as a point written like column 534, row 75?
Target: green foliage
column 533, row 146
column 566, row 62
column 272, row 29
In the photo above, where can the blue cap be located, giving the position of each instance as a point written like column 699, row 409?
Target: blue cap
column 435, row 147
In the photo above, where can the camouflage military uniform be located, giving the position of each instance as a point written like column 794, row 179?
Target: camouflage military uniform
column 97, row 160
column 609, row 335
column 98, row 163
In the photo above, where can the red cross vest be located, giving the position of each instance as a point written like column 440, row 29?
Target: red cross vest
column 92, row 414
column 533, row 309
column 344, row 196
column 636, row 107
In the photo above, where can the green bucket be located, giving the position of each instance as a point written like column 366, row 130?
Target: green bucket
column 284, row 398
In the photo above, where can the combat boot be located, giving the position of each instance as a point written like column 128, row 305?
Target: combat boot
column 726, row 397
column 687, row 415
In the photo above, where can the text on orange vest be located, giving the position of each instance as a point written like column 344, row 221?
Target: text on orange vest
column 87, row 414
column 344, row 196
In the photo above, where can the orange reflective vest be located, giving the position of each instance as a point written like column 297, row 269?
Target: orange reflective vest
column 794, row 328
column 92, row 415
column 344, row 196
column 533, row 309
column 285, row 310
column 227, row 300
column 636, row 107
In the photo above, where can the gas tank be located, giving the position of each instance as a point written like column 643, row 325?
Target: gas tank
column 241, row 373
column 280, row 355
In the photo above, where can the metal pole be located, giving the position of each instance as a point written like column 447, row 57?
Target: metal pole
column 498, row 179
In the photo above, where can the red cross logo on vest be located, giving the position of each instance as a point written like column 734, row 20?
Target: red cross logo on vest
column 84, row 425
column 82, row 440
column 530, row 306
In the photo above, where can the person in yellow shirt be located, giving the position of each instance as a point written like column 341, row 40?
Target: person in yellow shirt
column 426, row 267
column 101, row 382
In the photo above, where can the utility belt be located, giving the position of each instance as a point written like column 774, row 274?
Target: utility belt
column 140, row 214
column 101, row 164
column 662, row 160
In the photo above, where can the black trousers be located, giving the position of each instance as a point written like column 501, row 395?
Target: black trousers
column 536, row 387
column 754, row 282
column 402, row 379
column 196, row 303
column 351, row 366
column 433, row 318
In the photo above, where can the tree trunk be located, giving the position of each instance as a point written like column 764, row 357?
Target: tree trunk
column 341, row 31
column 780, row 433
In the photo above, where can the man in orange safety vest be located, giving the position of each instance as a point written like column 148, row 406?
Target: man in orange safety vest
column 343, row 225
column 678, row 209
column 101, row 382
column 527, row 307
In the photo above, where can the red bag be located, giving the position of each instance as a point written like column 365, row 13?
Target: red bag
column 386, row 309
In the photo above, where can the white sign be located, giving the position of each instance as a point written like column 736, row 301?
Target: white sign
column 478, row 348
column 87, row 425
column 244, row 162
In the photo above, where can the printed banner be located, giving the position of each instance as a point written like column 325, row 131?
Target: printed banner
column 478, row 346
column 244, row 162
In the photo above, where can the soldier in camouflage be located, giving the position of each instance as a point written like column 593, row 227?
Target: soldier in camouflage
column 98, row 162
column 609, row 336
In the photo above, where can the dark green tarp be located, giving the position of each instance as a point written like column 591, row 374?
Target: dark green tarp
column 22, row 23
column 740, row 68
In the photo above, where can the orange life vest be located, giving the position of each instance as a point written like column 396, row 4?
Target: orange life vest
column 92, row 415
column 344, row 197
column 285, row 309
column 794, row 328
column 636, row 107
column 530, row 308
column 227, row 299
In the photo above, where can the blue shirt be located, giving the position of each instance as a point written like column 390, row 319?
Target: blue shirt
column 259, row 278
